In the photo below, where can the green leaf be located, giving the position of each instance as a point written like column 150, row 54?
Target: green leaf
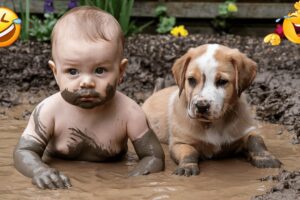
column 160, row 10
column 125, row 15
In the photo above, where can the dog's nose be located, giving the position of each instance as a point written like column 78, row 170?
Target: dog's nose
column 202, row 106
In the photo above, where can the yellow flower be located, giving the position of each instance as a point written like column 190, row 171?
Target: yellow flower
column 232, row 7
column 272, row 38
column 297, row 5
column 179, row 31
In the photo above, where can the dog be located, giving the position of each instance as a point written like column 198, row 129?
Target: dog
column 206, row 115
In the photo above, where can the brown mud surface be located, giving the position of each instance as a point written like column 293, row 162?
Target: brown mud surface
column 26, row 79
column 287, row 187
column 233, row 179
column 275, row 92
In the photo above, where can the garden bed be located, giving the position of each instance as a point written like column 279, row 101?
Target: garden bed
column 275, row 94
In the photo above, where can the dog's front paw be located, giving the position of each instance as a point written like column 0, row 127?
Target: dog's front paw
column 265, row 160
column 187, row 169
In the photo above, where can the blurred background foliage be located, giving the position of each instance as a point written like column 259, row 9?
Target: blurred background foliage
column 39, row 27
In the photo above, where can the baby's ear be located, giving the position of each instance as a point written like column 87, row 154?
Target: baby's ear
column 53, row 68
column 122, row 68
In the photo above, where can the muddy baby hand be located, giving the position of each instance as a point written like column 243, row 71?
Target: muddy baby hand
column 148, row 165
column 49, row 178
column 150, row 153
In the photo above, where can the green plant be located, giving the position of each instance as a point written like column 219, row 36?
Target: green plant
column 166, row 23
column 121, row 10
column 25, row 16
column 225, row 12
column 41, row 29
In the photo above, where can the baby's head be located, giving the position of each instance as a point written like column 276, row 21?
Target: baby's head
column 87, row 52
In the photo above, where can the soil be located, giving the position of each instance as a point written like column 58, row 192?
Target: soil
column 275, row 92
column 288, row 186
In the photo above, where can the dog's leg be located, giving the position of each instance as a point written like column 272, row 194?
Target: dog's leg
column 258, row 154
column 186, row 156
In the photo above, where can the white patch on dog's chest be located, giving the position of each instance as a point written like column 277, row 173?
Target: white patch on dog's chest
column 219, row 137
column 216, row 137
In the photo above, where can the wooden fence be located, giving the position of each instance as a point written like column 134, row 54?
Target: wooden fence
column 181, row 9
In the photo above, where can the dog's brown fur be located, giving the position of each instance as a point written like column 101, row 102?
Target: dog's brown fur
column 190, row 138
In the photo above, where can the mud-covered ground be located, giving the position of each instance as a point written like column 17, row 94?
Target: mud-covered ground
column 287, row 186
column 275, row 92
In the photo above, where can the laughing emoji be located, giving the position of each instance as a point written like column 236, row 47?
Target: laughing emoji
column 10, row 27
column 290, row 27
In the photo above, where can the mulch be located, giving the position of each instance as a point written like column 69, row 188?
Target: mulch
column 275, row 92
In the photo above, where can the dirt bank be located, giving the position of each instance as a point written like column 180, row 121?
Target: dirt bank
column 25, row 76
column 287, row 186
column 275, row 92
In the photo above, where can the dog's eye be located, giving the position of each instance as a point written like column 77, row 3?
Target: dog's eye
column 221, row 82
column 192, row 81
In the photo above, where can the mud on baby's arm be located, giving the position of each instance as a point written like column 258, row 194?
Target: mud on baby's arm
column 31, row 146
column 146, row 144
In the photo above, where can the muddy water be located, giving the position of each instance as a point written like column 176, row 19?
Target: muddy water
column 223, row 179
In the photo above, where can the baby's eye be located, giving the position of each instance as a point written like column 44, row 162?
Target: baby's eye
column 99, row 70
column 73, row 72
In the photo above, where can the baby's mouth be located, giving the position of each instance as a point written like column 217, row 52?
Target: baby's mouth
column 7, row 33
column 87, row 98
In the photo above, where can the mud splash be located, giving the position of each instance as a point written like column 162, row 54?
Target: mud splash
column 223, row 179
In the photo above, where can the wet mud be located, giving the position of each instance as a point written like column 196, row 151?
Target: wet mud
column 233, row 178
column 287, row 186
column 26, row 79
column 275, row 92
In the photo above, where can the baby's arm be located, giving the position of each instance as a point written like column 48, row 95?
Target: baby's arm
column 30, row 148
column 146, row 144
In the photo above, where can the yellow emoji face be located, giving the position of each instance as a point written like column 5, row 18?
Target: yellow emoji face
column 290, row 25
column 10, row 27
column 272, row 38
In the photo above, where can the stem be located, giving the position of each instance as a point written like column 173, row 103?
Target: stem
column 27, row 18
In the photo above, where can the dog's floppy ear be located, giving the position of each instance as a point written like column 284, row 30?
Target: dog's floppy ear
column 179, row 69
column 245, row 70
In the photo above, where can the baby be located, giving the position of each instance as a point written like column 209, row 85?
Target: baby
column 88, row 119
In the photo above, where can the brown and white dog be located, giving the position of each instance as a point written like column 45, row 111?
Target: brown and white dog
column 207, row 116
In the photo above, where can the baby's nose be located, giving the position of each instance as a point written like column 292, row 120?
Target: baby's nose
column 87, row 82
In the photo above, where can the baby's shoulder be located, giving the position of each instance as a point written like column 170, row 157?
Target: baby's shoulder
column 127, row 103
column 45, row 110
column 50, row 103
column 129, row 107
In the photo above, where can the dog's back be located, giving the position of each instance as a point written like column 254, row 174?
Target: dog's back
column 157, row 109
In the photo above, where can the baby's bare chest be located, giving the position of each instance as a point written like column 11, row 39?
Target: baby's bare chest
column 89, row 140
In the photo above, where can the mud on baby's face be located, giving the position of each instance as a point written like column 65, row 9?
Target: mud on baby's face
column 87, row 73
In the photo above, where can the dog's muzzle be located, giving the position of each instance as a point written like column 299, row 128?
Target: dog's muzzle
column 202, row 107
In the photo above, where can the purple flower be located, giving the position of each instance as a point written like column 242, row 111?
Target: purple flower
column 72, row 4
column 48, row 6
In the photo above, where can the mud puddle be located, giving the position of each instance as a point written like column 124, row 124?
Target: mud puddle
column 223, row 179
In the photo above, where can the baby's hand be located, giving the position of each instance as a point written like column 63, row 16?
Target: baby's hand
column 148, row 165
column 49, row 178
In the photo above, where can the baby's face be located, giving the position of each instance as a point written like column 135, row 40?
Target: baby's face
column 87, row 72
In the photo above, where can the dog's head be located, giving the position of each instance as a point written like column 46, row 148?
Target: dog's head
column 212, row 77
